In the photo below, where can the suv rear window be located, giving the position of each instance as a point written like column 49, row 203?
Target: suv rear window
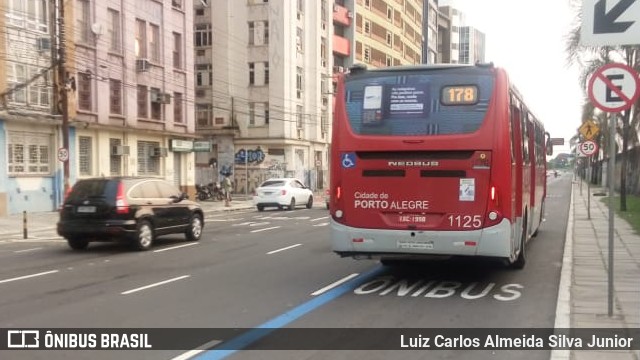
column 272, row 183
column 91, row 188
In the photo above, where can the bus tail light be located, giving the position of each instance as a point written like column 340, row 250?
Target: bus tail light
column 338, row 193
column 494, row 215
column 493, row 195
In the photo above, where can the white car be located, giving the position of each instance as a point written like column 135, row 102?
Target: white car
column 282, row 192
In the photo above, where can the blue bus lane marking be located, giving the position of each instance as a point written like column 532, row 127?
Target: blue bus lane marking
column 242, row 341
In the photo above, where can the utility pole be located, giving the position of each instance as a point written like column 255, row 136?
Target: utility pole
column 62, row 88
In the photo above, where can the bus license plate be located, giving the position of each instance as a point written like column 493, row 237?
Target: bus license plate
column 415, row 244
column 412, row 219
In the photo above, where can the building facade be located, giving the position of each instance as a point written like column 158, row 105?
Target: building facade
column 262, row 90
column 29, row 174
column 129, row 82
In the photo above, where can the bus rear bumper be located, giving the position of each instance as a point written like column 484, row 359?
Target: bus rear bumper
column 494, row 241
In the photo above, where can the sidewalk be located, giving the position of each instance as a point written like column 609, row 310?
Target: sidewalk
column 583, row 294
column 43, row 224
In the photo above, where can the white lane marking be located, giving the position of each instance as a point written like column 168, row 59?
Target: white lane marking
column 174, row 247
column 154, row 285
column 302, row 217
column 188, row 355
column 28, row 276
column 321, row 224
column 265, row 229
column 283, row 249
column 320, row 218
column 335, row 284
column 259, row 224
column 27, row 250
column 198, row 350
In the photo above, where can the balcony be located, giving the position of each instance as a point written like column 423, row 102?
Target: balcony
column 341, row 46
column 342, row 15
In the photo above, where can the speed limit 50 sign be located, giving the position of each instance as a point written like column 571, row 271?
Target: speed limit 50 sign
column 588, row 147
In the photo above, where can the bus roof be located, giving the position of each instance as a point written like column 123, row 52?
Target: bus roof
column 362, row 67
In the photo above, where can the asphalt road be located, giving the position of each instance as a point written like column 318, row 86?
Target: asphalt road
column 275, row 268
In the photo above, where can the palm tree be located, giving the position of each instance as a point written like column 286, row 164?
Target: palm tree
column 590, row 58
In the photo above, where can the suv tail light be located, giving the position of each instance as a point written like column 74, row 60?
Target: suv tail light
column 122, row 207
column 283, row 192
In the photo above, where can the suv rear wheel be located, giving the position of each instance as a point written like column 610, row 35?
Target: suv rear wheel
column 144, row 236
column 77, row 243
column 194, row 231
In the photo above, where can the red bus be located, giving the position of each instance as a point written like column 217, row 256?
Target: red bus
column 435, row 160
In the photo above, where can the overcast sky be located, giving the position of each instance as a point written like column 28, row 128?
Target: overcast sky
column 527, row 38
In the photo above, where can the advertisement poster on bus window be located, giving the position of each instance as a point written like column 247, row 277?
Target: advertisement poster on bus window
column 467, row 189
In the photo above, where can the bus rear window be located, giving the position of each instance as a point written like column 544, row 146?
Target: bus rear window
column 418, row 103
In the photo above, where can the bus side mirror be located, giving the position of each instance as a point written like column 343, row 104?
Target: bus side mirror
column 548, row 143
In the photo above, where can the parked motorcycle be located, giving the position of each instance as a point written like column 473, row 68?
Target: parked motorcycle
column 209, row 191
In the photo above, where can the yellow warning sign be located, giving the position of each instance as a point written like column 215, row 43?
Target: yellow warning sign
column 589, row 129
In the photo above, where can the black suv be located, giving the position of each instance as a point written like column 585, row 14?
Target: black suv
column 127, row 208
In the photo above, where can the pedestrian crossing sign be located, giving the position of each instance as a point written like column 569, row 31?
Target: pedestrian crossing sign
column 589, row 129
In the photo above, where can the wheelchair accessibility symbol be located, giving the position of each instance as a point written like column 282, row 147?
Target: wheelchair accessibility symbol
column 348, row 160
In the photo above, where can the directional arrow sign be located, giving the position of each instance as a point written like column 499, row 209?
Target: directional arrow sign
column 610, row 22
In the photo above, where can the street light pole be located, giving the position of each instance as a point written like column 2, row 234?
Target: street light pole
column 62, row 88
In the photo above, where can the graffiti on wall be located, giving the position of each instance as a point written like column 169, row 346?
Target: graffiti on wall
column 244, row 156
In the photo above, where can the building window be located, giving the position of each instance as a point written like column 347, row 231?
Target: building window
column 266, row 72
column 34, row 12
column 28, row 153
column 389, row 39
column 17, row 75
column 367, row 53
column 252, row 114
column 115, row 161
column 84, row 92
column 154, row 42
column 252, row 73
column 258, row 32
column 143, row 111
column 299, row 116
column 115, row 96
column 203, row 35
column 114, row 31
column 299, row 40
column 83, row 20
column 266, row 113
column 177, row 108
column 85, row 155
column 141, row 39
column 204, row 75
column 177, row 51
column 203, row 115
column 299, row 82
column 148, row 164
column 176, row 4
column 156, row 105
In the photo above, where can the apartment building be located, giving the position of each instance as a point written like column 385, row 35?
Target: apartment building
column 388, row 32
column 29, row 173
column 262, row 90
column 132, row 71
column 457, row 41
